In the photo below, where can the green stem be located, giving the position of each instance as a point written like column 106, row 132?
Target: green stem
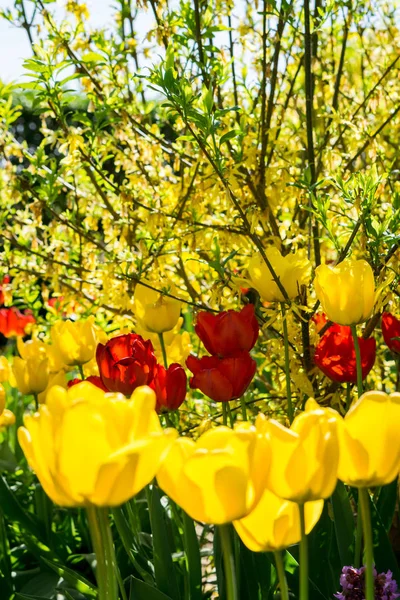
column 229, row 563
column 163, row 349
column 280, row 569
column 244, row 408
column 348, row 396
column 80, row 367
column 224, row 414
column 112, row 570
column 357, row 548
column 303, row 556
column 95, row 534
column 35, row 397
column 368, row 545
column 287, row 364
column 231, row 421
column 358, row 360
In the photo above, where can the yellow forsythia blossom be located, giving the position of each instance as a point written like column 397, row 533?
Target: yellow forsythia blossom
column 275, row 523
column 221, row 476
column 156, row 312
column 346, row 292
column 293, row 271
column 74, row 342
column 304, row 458
column 370, row 441
column 88, row 447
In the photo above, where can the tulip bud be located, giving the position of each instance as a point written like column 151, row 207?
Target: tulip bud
column 305, row 457
column 346, row 292
column 155, row 311
column 74, row 341
column 391, row 332
column 274, row 523
column 369, row 440
column 89, row 447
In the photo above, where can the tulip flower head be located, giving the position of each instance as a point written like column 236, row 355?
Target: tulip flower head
column 74, row 341
column 222, row 379
column 293, row 270
column 88, row 447
column 305, row 457
column 220, row 477
column 369, row 440
column 155, row 311
column 274, row 523
column 31, row 372
column 346, row 292
column 94, row 379
column 126, row 362
column 13, row 322
column 4, row 369
column 169, row 386
column 336, row 357
column 228, row 332
column 391, row 332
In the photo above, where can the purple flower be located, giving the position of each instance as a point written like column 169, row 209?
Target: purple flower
column 352, row 581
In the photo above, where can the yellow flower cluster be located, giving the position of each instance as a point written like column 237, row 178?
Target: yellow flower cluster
column 251, row 475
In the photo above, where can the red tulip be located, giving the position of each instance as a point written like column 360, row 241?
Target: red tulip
column 336, row 357
column 13, row 322
column 222, row 379
column 169, row 386
column 391, row 331
column 126, row 362
column 92, row 379
column 229, row 332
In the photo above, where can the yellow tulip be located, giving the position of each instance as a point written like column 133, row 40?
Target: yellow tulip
column 54, row 379
column 346, row 292
column 221, row 476
column 370, row 441
column 156, row 312
column 92, row 448
column 7, row 418
column 2, row 398
column 274, row 523
column 293, row 270
column 304, row 458
column 31, row 375
column 4, row 369
column 74, row 342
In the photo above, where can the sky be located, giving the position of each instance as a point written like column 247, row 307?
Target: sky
column 14, row 43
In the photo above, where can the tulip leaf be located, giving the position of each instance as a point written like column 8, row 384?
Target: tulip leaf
column 19, row 596
column 383, row 552
column 192, row 551
column 255, row 574
column 386, row 504
column 165, row 572
column 143, row 591
column 76, row 580
column 14, row 511
column 344, row 523
column 324, row 556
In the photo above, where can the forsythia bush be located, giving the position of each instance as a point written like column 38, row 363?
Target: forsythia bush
column 199, row 303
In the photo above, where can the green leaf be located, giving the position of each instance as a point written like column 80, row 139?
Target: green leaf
column 344, row 523
column 93, row 57
column 228, row 136
column 192, row 551
column 383, row 552
column 14, row 511
column 386, row 504
column 143, row 591
column 42, row 585
column 164, row 569
column 76, row 580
